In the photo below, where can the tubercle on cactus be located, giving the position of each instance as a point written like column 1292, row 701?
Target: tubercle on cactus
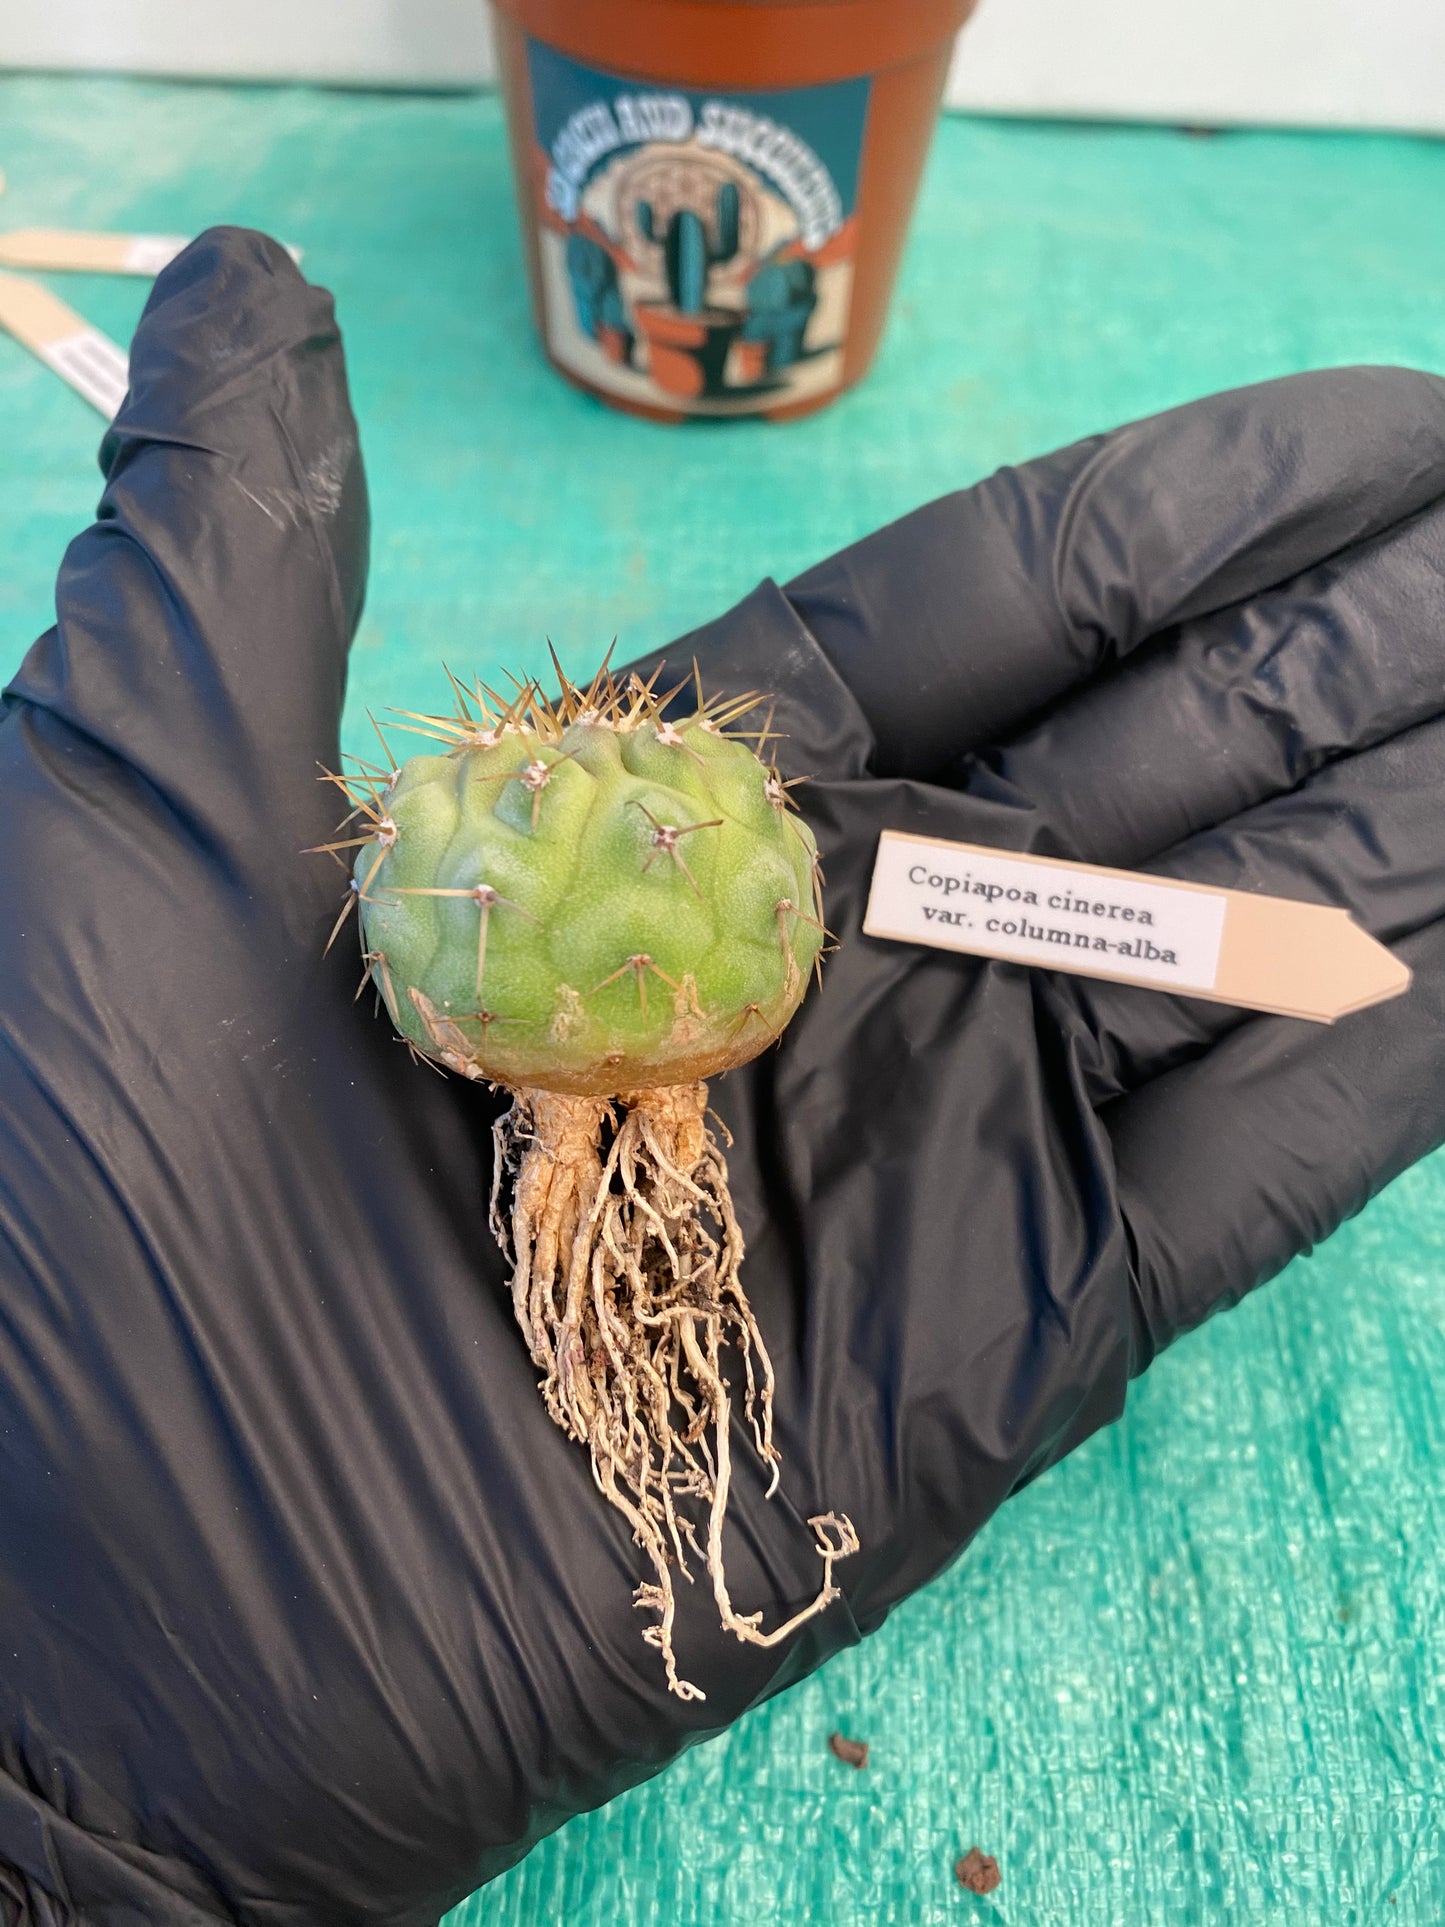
column 595, row 903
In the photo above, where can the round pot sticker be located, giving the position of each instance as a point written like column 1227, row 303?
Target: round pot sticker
column 696, row 249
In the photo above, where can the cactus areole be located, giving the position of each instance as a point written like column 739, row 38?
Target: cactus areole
column 598, row 904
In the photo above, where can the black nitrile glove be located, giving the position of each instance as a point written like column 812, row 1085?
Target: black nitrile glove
column 308, row 1612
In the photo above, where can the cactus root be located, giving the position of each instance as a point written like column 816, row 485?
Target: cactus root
column 616, row 1218
column 595, row 902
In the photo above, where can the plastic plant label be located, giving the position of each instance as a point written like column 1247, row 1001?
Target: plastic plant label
column 1229, row 946
column 91, row 362
column 695, row 249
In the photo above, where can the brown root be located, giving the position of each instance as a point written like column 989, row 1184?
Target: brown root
column 626, row 1254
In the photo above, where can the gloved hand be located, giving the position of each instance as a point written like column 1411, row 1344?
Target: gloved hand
column 309, row 1613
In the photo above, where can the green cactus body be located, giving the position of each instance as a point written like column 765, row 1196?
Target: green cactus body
column 591, row 906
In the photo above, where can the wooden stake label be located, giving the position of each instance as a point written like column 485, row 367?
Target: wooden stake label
column 91, row 362
column 1261, row 953
column 56, row 250
column 49, row 249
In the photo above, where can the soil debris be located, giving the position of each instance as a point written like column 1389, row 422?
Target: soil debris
column 978, row 1872
column 850, row 1752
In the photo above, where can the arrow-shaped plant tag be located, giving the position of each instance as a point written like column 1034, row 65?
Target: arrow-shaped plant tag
column 1229, row 946
column 90, row 361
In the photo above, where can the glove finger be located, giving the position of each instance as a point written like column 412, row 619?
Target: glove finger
column 959, row 623
column 1231, row 1166
column 1237, row 706
column 204, row 618
column 1363, row 835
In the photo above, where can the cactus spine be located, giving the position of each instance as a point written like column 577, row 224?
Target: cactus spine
column 596, row 905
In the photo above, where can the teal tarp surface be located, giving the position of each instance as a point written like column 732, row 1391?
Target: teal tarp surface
column 1197, row 1674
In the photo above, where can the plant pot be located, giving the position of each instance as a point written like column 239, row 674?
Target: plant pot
column 818, row 112
column 687, row 353
column 615, row 343
column 751, row 362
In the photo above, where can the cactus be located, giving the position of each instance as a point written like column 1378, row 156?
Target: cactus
column 781, row 298
column 598, row 905
column 779, row 286
column 688, row 253
column 671, row 841
column 593, row 275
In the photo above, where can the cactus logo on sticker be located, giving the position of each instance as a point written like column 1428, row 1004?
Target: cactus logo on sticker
column 696, row 250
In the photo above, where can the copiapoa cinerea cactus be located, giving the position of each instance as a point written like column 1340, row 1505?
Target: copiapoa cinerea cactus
column 598, row 904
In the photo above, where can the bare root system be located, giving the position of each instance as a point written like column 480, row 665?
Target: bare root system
column 626, row 1255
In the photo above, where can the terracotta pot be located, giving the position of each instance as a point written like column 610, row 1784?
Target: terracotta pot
column 701, row 140
column 751, row 362
column 687, row 353
column 615, row 343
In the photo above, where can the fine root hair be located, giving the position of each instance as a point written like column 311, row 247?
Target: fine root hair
column 625, row 1252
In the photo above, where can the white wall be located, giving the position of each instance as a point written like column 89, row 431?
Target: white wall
column 1363, row 63
column 1353, row 63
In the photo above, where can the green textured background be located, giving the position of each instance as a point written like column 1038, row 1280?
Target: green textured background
column 1195, row 1674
